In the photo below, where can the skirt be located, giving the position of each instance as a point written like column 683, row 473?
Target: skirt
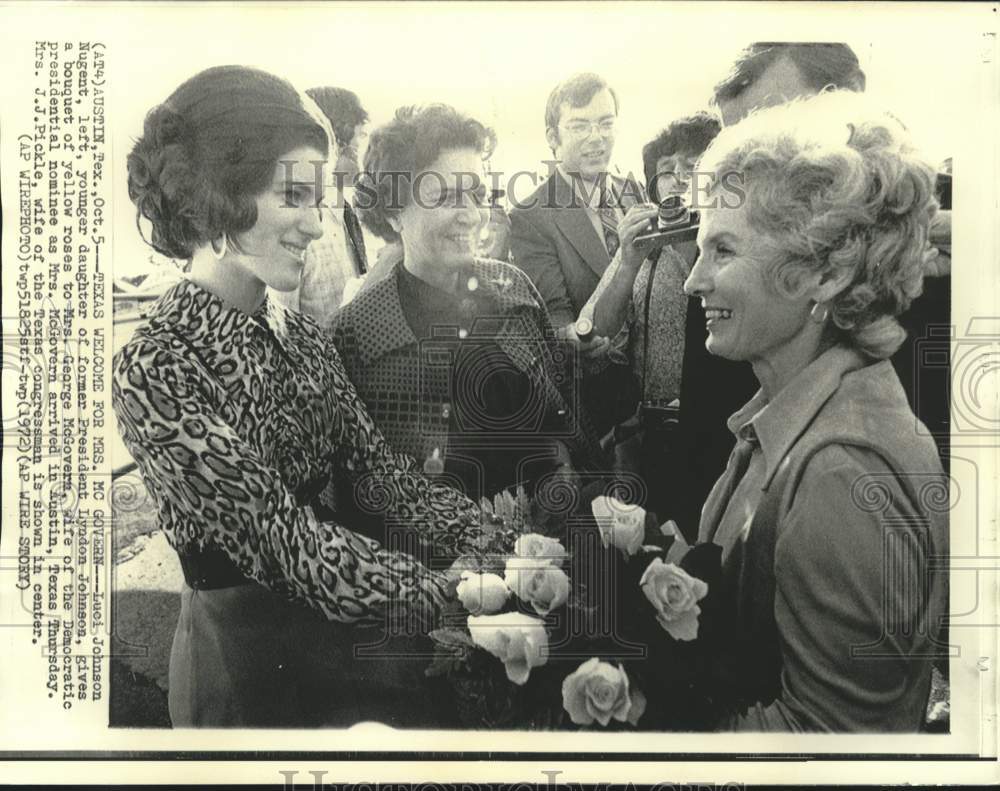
column 244, row 657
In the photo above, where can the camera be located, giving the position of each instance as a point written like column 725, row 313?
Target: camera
column 660, row 418
column 674, row 222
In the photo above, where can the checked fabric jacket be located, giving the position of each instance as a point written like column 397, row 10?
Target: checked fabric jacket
column 398, row 375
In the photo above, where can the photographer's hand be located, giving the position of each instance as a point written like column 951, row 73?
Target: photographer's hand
column 611, row 307
column 595, row 347
column 635, row 223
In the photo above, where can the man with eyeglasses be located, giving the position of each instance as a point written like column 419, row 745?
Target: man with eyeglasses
column 565, row 233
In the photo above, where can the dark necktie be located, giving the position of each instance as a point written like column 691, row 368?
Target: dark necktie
column 355, row 238
column 609, row 222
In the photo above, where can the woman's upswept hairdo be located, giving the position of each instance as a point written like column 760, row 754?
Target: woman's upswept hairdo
column 836, row 186
column 210, row 149
column 399, row 150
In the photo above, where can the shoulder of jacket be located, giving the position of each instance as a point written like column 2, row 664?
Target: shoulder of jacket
column 356, row 312
column 152, row 349
column 533, row 205
column 507, row 280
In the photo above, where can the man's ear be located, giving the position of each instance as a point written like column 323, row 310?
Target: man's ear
column 552, row 138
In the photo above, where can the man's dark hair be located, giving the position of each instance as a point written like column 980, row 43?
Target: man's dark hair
column 577, row 91
column 689, row 135
column 821, row 64
column 343, row 109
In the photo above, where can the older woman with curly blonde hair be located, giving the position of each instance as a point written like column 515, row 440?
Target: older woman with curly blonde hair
column 833, row 505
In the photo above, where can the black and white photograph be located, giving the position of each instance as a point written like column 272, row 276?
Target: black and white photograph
column 481, row 379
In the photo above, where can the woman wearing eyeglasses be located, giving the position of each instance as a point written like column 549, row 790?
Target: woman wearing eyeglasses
column 452, row 353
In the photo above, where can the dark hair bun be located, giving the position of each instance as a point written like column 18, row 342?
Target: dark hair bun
column 161, row 180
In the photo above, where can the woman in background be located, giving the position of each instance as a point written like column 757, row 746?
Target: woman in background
column 238, row 412
column 640, row 305
column 618, row 304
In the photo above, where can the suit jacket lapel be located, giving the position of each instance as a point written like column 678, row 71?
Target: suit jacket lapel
column 629, row 192
column 575, row 225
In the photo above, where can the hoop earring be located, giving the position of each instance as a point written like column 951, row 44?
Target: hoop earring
column 822, row 319
column 220, row 250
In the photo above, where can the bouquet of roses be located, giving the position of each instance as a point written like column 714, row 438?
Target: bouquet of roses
column 596, row 626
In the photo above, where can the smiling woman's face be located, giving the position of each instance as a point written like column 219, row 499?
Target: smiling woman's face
column 273, row 251
column 747, row 317
column 440, row 224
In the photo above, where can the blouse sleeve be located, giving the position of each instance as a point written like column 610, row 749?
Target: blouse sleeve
column 389, row 483
column 213, row 488
column 618, row 345
column 853, row 628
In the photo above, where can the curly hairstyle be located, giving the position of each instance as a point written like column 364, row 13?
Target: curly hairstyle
column 688, row 135
column 835, row 187
column 401, row 149
column 210, row 149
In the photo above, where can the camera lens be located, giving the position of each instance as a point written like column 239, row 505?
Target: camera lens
column 672, row 213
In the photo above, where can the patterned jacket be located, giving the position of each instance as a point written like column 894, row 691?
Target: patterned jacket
column 396, row 375
column 554, row 241
column 236, row 422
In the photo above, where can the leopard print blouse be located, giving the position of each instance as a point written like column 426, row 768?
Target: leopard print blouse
column 229, row 415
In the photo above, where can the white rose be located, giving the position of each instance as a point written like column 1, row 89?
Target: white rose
column 541, row 585
column 599, row 691
column 518, row 640
column 675, row 595
column 620, row 525
column 482, row 594
column 533, row 545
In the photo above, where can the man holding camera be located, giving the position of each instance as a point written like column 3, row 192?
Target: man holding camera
column 566, row 233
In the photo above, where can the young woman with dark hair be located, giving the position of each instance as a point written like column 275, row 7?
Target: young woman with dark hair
column 239, row 412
